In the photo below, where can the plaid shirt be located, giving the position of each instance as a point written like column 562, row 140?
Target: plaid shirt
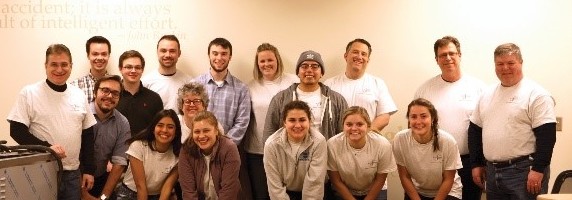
column 230, row 103
column 86, row 83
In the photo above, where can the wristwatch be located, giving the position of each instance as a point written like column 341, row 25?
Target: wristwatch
column 103, row 197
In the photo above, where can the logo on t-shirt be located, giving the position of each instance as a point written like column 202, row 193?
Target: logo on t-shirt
column 304, row 156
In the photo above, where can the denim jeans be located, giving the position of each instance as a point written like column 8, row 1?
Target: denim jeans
column 509, row 183
column 382, row 195
column 449, row 197
column 124, row 193
column 70, row 186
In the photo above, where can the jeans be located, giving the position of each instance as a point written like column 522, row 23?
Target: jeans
column 509, row 183
column 382, row 195
column 124, row 193
column 470, row 190
column 257, row 176
column 70, row 186
column 449, row 197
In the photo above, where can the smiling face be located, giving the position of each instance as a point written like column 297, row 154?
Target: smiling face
column 297, row 124
column 355, row 128
column 448, row 58
column 357, row 58
column 205, row 135
column 310, row 73
column 219, row 58
column 165, row 131
column 508, row 69
column 267, row 64
column 192, row 104
column 58, row 68
column 107, row 102
column 98, row 56
column 420, row 120
column 168, row 53
column 132, row 70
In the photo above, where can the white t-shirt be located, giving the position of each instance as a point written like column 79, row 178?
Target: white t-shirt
column 157, row 166
column 166, row 86
column 455, row 103
column 210, row 191
column 55, row 117
column 315, row 101
column 261, row 94
column 358, row 167
column 425, row 165
column 368, row 92
column 507, row 116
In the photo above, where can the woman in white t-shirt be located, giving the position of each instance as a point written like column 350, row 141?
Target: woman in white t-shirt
column 153, row 157
column 359, row 158
column 427, row 158
column 268, row 80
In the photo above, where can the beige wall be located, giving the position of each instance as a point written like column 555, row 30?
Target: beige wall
column 401, row 32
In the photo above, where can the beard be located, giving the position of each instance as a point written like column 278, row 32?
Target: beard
column 219, row 70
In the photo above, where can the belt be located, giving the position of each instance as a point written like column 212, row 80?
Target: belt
column 502, row 164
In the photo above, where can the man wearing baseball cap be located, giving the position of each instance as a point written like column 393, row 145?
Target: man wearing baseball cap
column 327, row 105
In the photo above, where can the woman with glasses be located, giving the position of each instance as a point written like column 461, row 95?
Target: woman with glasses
column 192, row 99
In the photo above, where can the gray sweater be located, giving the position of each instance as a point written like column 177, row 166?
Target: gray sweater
column 332, row 122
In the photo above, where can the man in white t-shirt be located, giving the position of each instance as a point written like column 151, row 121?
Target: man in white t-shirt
column 455, row 96
column 512, row 132
column 55, row 114
column 167, row 80
column 362, row 89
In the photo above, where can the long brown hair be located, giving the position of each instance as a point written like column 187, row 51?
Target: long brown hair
column 434, row 118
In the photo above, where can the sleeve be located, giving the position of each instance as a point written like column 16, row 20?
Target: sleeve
column 274, row 179
column 476, row 145
column 545, row 140
column 21, row 134
column 119, row 156
column 272, row 123
column 332, row 164
column 396, row 146
column 316, row 175
column 236, row 133
column 386, row 104
column 386, row 162
column 137, row 150
column 187, row 177
column 86, row 153
column 342, row 107
column 21, row 112
column 230, row 183
column 452, row 158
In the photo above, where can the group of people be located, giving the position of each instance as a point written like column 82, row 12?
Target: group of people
column 285, row 136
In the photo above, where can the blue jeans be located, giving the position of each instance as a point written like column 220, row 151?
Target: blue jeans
column 70, row 186
column 382, row 195
column 509, row 183
column 124, row 193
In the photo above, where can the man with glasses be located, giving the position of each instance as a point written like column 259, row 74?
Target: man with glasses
column 53, row 114
column 111, row 132
column 98, row 50
column 327, row 105
column 137, row 103
column 455, row 96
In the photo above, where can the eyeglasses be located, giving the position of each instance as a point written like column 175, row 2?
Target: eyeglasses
column 196, row 102
column 114, row 93
column 312, row 66
column 130, row 67
column 450, row 54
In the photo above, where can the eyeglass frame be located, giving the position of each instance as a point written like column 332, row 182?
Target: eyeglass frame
column 312, row 66
column 195, row 102
column 106, row 91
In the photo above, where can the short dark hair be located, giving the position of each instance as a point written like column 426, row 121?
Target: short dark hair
column 58, row 49
column 97, row 39
column 445, row 41
column 131, row 54
column 300, row 105
column 171, row 38
column 360, row 41
column 115, row 78
column 224, row 43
